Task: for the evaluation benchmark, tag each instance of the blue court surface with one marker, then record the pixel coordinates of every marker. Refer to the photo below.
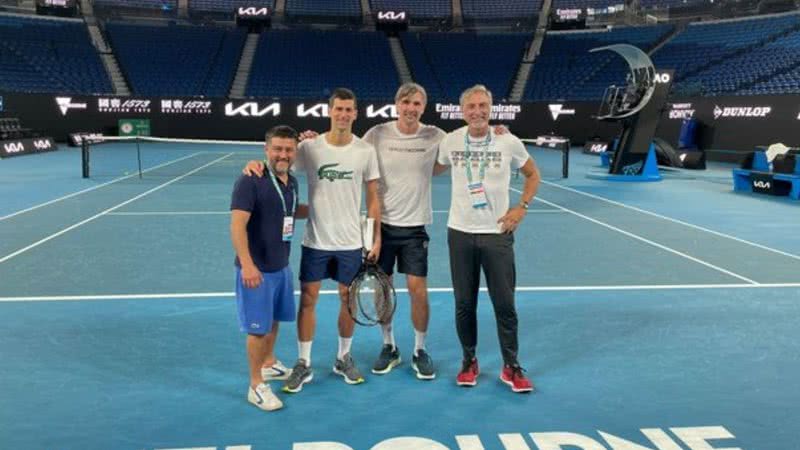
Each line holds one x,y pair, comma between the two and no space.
658,316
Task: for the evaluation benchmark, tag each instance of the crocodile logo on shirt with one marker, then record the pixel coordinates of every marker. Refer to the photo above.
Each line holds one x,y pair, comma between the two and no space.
327,172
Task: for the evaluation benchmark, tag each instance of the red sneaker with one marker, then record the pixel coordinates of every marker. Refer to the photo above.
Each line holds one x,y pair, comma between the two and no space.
469,373
513,376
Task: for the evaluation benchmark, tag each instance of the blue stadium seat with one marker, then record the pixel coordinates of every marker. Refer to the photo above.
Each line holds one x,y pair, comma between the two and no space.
312,63
565,70
226,6
44,55
177,60
448,63
719,56
323,8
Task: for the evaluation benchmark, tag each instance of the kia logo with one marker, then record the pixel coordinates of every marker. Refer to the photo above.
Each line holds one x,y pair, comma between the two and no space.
386,111
318,110
14,147
391,15
252,109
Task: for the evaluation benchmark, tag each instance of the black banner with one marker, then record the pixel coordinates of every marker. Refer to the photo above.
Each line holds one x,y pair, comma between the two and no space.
734,123
17,147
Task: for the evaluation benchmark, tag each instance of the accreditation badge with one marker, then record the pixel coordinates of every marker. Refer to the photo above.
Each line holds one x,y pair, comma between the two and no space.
288,228
477,193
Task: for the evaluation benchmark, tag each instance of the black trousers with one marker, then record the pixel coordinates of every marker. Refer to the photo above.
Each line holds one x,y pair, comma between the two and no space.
494,253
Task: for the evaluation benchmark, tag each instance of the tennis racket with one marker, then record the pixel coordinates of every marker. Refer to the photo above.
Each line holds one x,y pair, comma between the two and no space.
372,298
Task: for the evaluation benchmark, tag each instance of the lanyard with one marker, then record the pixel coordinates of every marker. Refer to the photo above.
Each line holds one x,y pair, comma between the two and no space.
484,157
280,193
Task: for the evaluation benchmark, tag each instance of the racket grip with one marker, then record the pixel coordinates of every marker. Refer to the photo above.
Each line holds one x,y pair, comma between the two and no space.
367,232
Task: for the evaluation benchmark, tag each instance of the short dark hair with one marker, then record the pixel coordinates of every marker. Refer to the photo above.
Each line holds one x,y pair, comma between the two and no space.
342,94
280,131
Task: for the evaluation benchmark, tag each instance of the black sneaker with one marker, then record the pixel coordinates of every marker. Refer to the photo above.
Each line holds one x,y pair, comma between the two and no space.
301,374
387,360
423,365
346,367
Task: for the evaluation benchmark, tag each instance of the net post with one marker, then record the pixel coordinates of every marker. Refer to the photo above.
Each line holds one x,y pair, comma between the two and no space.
139,156
84,157
565,160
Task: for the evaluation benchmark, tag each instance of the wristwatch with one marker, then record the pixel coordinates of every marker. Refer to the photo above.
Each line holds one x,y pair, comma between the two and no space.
524,204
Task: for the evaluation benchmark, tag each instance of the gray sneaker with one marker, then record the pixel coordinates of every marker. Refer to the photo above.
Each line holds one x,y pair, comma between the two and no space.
301,374
423,365
387,360
346,367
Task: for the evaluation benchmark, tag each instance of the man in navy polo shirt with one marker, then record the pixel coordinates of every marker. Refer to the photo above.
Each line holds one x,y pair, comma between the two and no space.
263,211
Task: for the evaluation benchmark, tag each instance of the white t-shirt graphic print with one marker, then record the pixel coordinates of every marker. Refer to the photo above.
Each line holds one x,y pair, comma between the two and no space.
336,176
502,154
406,165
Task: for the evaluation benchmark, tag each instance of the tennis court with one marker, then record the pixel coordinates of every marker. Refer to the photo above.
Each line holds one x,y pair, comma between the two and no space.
652,316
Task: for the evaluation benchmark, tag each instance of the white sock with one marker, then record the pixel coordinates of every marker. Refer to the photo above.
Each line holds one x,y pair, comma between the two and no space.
344,346
304,351
388,335
419,341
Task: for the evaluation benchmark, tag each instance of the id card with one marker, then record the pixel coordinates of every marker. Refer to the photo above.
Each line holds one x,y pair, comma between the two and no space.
477,193
288,228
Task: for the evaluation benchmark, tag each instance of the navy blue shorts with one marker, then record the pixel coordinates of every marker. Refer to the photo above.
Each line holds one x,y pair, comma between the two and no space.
406,246
339,265
272,300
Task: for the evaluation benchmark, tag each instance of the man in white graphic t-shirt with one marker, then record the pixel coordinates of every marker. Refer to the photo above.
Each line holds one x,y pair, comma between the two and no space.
338,165
480,230
406,155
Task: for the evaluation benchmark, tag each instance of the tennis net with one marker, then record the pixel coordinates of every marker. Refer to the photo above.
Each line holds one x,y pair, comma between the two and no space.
145,156
551,154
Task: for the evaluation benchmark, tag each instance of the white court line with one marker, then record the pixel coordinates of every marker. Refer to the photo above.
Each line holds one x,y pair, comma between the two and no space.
169,213
85,221
678,221
645,240
195,295
211,213
50,202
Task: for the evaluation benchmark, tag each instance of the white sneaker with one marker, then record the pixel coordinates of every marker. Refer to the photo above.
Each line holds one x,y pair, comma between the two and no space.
263,398
276,371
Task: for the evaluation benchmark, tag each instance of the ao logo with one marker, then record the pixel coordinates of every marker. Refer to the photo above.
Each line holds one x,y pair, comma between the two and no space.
126,128
663,78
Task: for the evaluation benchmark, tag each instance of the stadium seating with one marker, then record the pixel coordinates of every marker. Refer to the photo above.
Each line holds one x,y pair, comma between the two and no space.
312,63
745,69
480,11
323,8
565,70
177,60
696,52
44,55
170,5
584,4
448,63
226,6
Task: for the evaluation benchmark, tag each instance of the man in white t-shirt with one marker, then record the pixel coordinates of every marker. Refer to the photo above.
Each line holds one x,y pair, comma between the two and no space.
480,229
338,165
406,155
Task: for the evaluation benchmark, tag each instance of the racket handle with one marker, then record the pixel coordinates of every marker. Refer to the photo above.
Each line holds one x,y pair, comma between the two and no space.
367,232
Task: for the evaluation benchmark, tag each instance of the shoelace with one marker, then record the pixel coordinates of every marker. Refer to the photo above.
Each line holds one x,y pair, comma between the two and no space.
517,372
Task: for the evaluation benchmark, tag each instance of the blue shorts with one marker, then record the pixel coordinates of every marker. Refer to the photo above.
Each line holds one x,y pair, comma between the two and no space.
340,265
272,300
